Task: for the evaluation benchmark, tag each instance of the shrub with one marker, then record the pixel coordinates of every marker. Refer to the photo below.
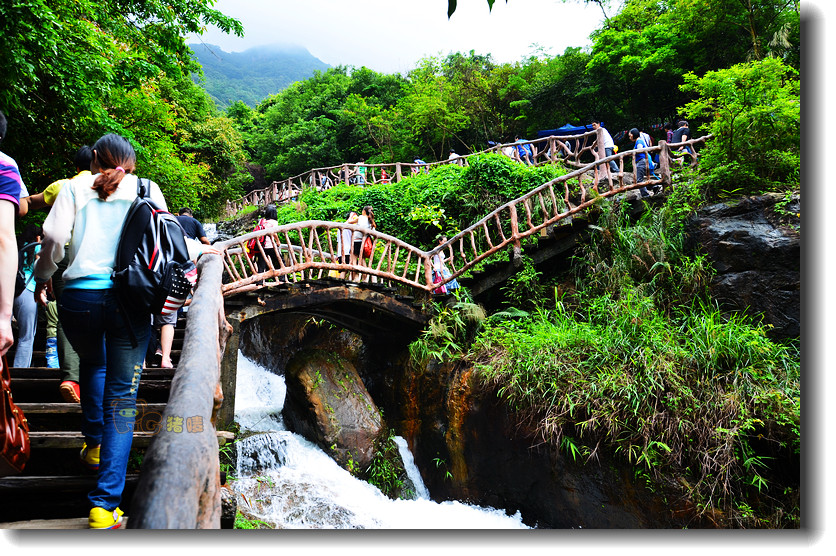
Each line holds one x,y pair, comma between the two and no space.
754,112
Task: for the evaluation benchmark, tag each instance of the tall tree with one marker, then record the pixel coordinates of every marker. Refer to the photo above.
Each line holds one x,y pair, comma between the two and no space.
69,70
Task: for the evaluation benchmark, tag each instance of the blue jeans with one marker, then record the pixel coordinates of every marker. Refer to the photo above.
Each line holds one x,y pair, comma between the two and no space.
608,151
26,312
110,368
641,175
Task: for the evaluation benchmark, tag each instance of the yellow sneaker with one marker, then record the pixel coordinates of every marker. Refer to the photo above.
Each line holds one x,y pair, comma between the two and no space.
101,518
89,457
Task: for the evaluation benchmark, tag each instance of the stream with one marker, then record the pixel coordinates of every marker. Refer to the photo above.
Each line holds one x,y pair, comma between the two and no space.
290,483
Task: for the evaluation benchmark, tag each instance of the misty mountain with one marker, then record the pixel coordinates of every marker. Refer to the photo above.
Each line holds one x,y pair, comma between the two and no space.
254,74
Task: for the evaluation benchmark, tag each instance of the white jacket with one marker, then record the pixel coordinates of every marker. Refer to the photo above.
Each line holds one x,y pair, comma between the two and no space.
92,227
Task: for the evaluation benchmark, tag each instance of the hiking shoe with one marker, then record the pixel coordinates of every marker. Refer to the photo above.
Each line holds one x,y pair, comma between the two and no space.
70,391
101,518
90,457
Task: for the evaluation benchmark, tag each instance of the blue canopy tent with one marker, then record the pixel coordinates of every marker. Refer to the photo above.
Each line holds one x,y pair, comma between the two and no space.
567,129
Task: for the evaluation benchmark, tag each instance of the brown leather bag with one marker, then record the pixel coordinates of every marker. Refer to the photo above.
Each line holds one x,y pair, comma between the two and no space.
14,429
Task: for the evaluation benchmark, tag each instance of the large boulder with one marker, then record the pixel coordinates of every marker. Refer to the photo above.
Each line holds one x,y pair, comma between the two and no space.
754,245
328,404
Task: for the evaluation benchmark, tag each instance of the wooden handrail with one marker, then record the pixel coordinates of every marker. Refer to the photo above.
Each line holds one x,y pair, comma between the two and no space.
306,250
179,485
288,189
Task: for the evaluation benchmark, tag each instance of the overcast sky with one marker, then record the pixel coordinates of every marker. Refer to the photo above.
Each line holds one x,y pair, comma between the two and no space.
390,36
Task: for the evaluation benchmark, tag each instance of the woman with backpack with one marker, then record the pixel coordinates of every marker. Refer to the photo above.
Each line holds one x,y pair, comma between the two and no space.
110,343
268,222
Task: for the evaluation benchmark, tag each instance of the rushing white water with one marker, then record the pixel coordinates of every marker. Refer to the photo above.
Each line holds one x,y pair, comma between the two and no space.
290,483
211,230
411,469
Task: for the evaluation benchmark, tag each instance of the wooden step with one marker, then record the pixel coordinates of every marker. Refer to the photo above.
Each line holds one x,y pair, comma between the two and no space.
153,387
53,497
46,372
54,524
74,439
68,416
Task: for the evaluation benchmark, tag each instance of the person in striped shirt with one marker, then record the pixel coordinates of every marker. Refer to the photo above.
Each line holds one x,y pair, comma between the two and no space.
11,190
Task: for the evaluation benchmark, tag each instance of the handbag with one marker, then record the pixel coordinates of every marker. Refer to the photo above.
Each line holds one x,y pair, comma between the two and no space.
436,279
367,247
14,429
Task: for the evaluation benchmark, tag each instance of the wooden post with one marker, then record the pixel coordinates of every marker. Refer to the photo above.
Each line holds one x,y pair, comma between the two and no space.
398,172
229,375
665,163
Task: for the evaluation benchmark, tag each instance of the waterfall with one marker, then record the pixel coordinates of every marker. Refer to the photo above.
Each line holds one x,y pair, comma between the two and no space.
290,483
411,469
211,230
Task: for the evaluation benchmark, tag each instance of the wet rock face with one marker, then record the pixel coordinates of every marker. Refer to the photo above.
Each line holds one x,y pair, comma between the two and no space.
328,404
468,444
471,446
755,247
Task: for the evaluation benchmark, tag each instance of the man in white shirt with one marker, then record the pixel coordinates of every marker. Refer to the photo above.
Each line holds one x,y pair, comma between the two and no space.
609,145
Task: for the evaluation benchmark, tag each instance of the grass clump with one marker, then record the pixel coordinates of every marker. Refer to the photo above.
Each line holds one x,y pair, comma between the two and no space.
696,394
640,363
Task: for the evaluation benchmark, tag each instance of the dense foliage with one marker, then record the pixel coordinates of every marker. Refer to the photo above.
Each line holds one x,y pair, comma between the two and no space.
646,64
754,112
418,208
78,69
72,70
627,357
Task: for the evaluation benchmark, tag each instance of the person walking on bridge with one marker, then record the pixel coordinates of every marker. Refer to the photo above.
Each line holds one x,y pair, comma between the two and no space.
192,226
365,221
609,144
641,160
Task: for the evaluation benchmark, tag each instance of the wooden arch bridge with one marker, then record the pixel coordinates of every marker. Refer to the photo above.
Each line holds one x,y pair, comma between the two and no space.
309,251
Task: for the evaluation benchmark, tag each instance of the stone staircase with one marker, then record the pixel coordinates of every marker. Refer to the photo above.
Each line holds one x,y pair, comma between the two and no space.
51,493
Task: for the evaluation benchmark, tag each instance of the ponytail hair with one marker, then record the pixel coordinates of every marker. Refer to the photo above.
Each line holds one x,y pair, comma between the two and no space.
370,213
113,157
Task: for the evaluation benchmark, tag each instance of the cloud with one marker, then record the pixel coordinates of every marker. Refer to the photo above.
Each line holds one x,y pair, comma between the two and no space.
392,35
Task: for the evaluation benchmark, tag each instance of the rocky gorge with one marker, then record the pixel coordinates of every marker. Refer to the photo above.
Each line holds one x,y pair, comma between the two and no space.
345,390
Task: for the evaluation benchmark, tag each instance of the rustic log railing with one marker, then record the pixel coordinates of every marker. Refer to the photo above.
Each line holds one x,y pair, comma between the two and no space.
572,150
309,250
179,484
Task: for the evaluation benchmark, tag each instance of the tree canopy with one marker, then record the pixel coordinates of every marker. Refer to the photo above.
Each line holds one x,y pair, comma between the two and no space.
72,70
75,69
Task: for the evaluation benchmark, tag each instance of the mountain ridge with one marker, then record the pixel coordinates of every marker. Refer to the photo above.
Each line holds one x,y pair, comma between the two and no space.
253,74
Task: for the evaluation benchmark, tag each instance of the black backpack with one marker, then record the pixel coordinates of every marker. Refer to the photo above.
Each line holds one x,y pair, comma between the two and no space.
153,272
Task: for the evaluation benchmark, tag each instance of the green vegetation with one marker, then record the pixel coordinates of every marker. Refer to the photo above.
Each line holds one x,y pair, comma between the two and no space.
79,69
244,522
756,109
72,70
418,208
386,470
634,361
